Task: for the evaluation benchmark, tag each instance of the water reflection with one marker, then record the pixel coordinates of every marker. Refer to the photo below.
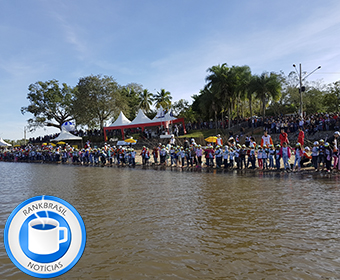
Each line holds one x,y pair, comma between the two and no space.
188,224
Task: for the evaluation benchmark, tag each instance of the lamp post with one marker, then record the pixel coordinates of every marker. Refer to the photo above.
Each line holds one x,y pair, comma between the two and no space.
302,89
25,135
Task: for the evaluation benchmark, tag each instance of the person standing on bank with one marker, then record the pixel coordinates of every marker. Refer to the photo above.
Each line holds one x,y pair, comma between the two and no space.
301,137
283,137
266,140
219,141
334,143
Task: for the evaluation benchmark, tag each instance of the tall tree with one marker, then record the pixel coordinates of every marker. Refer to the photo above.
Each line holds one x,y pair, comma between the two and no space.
50,104
146,99
180,106
182,109
267,88
96,100
204,104
163,98
221,83
332,98
131,94
242,78
289,101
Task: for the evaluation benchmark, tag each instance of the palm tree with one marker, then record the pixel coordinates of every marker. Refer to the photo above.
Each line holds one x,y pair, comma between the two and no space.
242,78
266,87
163,98
221,83
206,103
146,99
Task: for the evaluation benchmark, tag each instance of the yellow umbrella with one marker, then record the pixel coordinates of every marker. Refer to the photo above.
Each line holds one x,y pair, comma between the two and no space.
61,143
130,140
44,144
17,146
52,144
211,139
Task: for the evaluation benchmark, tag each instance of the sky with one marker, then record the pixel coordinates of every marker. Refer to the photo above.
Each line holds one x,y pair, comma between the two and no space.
158,44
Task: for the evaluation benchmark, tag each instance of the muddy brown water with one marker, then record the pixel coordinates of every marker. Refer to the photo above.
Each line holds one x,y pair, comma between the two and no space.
155,224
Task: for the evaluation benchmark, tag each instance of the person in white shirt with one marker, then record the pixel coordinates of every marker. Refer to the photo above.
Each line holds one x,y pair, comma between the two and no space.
266,140
219,141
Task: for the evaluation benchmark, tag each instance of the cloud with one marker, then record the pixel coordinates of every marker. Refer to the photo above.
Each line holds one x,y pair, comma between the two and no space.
73,35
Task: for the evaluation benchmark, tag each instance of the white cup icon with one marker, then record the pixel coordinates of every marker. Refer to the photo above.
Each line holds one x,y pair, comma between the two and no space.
43,236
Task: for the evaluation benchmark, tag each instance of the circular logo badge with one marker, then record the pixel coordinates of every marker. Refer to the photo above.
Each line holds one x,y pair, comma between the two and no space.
45,236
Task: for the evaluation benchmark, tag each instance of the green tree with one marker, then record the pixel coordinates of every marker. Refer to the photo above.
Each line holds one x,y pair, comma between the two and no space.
180,106
313,100
96,100
267,88
131,94
50,104
221,84
242,76
196,106
332,98
146,99
151,114
182,109
163,98
204,104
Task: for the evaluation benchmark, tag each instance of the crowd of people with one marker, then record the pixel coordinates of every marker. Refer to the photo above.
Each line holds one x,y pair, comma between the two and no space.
311,124
231,155
265,155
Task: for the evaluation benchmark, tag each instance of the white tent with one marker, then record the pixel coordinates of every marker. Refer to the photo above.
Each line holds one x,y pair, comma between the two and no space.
65,136
121,120
141,118
167,117
3,143
160,113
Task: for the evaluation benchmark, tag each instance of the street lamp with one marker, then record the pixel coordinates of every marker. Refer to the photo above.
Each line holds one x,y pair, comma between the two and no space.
25,129
302,89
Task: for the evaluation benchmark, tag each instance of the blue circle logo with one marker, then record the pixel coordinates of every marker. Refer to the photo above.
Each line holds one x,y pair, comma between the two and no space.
45,236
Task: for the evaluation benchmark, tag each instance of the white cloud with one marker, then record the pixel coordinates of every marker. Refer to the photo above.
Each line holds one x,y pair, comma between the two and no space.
73,35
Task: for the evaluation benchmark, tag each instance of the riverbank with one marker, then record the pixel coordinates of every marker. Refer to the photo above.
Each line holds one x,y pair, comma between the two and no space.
192,169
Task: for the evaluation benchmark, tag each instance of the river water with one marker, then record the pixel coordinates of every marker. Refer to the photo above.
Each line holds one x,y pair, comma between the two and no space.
155,224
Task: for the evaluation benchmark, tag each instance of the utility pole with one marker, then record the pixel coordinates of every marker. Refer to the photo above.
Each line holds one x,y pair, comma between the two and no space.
25,135
302,88
301,101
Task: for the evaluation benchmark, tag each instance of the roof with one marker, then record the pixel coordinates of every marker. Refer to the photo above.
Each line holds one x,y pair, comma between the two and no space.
167,117
3,143
121,120
65,136
141,118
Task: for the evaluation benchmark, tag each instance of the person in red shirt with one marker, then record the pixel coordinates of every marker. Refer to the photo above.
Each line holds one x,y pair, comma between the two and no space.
305,157
143,155
283,137
301,137
155,154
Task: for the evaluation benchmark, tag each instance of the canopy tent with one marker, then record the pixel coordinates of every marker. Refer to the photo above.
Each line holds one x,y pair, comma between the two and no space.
167,117
160,113
141,121
66,136
121,120
3,143
140,118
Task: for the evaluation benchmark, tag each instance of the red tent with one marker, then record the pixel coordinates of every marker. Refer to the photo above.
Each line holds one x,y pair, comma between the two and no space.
141,121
